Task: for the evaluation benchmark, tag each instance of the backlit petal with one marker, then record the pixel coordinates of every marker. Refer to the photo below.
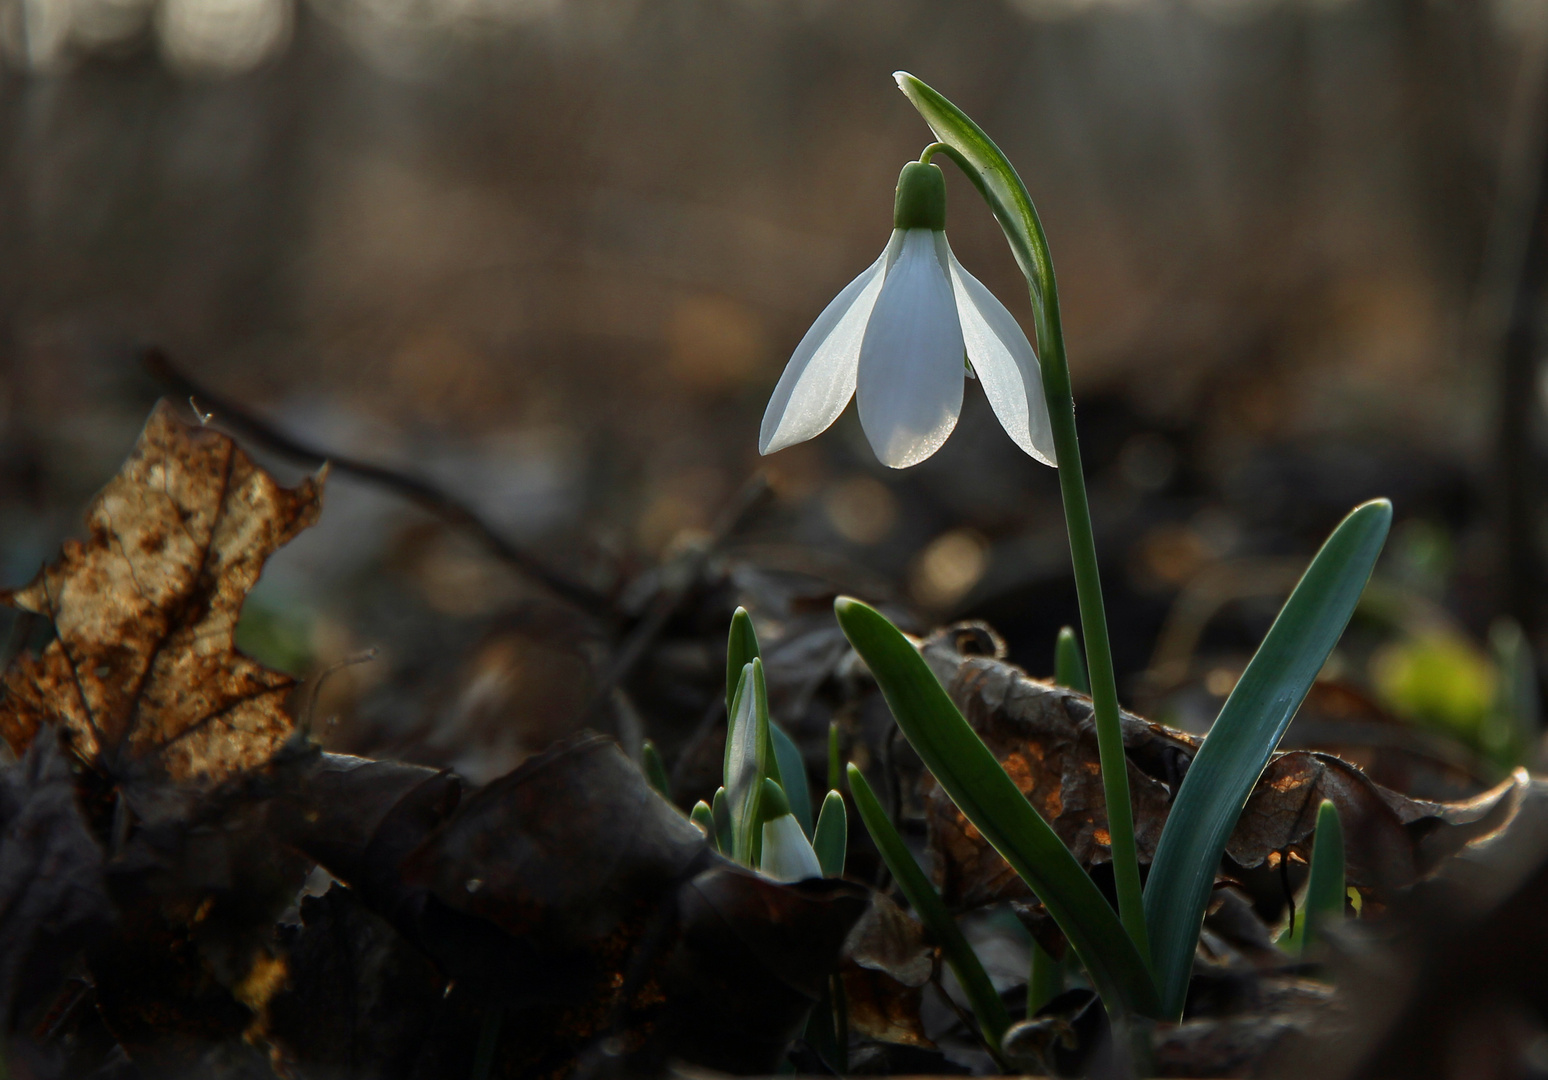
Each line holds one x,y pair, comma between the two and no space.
787,853
910,377
820,378
1004,361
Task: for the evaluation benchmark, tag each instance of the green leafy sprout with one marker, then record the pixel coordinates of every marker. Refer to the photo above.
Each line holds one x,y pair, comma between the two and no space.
762,814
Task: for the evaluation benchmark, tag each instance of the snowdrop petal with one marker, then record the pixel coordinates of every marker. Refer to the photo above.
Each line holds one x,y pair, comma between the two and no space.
787,853
820,378
1003,358
910,374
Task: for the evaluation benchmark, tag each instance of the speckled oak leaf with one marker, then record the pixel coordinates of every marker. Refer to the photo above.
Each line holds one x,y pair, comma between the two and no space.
144,670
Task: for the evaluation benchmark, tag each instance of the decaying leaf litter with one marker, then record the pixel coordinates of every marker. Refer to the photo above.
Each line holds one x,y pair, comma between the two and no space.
162,915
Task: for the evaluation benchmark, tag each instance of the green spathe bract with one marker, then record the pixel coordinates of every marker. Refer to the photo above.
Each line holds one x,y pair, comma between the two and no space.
1243,737
968,772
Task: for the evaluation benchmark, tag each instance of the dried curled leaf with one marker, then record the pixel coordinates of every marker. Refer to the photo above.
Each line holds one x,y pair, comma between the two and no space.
1391,840
144,669
1043,735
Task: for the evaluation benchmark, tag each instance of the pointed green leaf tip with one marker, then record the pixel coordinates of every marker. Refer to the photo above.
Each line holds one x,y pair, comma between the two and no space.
1325,886
741,650
704,817
1069,668
655,770
720,808
832,840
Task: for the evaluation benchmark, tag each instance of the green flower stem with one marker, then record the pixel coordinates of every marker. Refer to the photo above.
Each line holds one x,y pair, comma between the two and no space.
1045,981
1093,621
927,904
965,143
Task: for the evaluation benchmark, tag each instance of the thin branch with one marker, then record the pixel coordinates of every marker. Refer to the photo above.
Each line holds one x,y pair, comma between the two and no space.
418,491
670,599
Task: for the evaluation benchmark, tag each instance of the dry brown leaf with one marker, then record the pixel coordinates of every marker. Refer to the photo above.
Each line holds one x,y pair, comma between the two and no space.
886,966
1044,736
883,1009
890,940
144,669
1390,840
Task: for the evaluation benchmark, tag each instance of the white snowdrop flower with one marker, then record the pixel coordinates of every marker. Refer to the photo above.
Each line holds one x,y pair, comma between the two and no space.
895,338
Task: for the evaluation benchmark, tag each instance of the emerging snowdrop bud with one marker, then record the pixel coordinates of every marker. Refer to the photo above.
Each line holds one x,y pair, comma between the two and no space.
787,854
895,338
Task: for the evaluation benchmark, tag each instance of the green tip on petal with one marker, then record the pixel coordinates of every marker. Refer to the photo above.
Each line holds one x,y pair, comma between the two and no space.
774,802
921,198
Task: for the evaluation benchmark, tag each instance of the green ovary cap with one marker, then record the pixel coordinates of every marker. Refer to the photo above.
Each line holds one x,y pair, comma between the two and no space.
921,201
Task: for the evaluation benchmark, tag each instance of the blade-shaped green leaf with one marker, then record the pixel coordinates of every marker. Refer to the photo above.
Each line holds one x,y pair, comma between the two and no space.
1243,737
831,841
791,776
927,903
970,775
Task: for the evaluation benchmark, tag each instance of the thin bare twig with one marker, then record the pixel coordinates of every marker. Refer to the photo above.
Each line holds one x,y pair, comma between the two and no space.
417,490
669,599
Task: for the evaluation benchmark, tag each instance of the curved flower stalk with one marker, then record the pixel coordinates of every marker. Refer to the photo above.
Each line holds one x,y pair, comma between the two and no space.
895,339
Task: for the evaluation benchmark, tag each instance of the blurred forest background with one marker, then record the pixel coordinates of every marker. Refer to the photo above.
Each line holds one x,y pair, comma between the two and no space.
552,255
